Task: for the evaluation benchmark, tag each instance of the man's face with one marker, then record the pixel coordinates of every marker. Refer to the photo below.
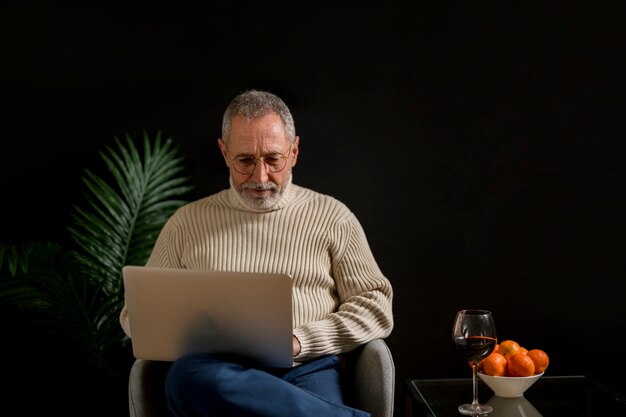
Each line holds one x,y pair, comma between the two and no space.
252,177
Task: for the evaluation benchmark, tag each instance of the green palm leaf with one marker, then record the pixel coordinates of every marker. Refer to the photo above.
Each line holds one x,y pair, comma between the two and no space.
125,218
61,306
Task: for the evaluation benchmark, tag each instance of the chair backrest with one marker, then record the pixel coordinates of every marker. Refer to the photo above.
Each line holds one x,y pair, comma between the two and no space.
370,377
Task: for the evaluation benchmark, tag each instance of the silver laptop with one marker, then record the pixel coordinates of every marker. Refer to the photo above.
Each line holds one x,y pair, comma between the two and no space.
177,311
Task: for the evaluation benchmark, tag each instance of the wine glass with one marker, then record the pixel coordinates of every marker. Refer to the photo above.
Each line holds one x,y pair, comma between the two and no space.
474,334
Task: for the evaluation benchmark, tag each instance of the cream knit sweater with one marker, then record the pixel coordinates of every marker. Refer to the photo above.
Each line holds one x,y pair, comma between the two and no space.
340,297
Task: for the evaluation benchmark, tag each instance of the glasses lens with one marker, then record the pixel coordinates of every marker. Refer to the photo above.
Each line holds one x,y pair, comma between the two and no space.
244,165
275,163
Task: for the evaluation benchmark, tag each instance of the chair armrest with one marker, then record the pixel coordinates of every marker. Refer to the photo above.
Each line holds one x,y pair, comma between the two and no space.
146,387
374,379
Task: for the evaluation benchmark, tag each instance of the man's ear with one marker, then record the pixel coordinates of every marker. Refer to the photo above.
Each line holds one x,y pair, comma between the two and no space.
224,151
294,151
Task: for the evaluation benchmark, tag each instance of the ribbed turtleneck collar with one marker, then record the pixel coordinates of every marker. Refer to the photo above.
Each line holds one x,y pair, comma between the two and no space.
237,201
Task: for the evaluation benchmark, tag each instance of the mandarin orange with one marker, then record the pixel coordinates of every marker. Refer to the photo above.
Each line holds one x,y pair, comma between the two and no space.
509,348
540,359
494,365
520,364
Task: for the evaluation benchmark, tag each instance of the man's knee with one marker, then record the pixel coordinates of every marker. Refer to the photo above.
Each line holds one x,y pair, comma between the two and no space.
195,373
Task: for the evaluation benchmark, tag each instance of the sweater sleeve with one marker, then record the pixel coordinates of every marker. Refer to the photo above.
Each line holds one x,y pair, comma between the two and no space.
364,294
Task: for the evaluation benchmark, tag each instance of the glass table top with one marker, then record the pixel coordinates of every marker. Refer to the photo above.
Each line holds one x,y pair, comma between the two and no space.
550,396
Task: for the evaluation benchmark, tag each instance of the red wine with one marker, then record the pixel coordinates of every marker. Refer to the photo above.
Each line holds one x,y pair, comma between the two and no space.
475,348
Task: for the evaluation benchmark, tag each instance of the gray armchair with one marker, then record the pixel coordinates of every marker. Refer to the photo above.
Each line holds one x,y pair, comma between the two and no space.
369,377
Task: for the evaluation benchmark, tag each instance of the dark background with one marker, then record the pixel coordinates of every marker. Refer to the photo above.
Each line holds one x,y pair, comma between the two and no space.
479,143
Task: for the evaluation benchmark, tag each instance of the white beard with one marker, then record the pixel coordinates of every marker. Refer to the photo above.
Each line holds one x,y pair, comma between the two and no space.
261,203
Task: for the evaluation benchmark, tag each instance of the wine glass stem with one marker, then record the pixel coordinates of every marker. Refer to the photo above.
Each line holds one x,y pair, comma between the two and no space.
474,384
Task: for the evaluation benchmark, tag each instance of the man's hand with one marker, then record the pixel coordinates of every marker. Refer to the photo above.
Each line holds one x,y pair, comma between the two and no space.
296,346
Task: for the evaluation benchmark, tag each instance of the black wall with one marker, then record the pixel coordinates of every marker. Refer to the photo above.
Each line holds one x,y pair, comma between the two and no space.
479,143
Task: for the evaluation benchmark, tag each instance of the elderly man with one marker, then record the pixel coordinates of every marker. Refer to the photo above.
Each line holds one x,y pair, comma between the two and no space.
265,223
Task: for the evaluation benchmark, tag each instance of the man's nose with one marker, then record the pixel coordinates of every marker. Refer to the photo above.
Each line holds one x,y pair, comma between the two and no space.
260,173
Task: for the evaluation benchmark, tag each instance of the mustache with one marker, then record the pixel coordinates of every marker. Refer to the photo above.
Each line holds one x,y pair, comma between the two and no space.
259,187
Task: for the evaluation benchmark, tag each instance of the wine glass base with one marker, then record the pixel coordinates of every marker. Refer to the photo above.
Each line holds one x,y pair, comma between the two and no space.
475,409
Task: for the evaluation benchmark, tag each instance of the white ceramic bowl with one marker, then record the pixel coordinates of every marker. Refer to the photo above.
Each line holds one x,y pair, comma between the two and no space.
509,386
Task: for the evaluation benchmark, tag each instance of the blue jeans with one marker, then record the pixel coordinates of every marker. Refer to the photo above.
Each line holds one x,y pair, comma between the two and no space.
209,385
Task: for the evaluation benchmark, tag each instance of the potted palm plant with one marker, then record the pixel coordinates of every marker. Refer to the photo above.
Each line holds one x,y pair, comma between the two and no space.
67,299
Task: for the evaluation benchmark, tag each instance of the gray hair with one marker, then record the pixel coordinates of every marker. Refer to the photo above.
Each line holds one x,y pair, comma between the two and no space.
253,104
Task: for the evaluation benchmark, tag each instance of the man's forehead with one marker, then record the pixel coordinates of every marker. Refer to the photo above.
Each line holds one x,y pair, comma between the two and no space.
257,135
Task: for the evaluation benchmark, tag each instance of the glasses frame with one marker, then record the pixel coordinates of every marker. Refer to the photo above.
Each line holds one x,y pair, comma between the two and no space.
287,156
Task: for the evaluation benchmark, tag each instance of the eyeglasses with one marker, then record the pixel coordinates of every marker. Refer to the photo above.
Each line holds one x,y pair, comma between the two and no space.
274,162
